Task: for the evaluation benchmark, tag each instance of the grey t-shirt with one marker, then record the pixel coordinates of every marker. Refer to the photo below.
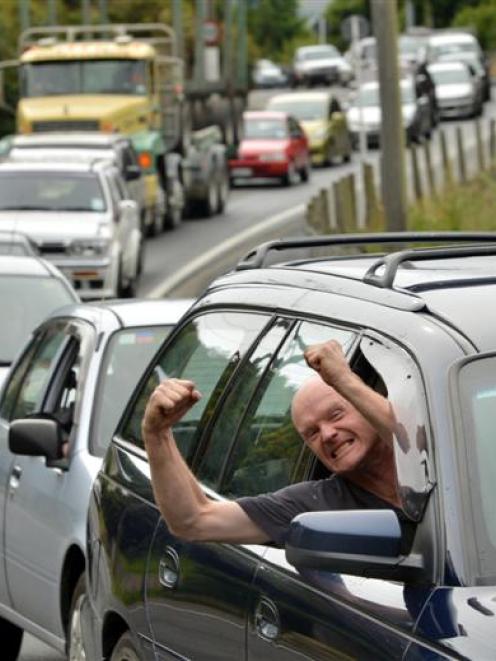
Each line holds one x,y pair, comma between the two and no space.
273,512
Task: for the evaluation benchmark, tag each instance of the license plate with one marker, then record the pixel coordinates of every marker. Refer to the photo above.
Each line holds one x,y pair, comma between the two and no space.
241,172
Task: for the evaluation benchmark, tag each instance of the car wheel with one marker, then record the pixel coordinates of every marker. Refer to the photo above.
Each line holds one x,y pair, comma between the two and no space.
305,171
126,289
11,636
75,649
290,177
125,650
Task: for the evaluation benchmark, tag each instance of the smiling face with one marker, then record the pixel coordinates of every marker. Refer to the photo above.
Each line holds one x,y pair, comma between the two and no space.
333,429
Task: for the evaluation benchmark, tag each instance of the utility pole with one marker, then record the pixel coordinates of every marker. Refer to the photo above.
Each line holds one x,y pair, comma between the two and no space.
393,184
24,14
177,24
199,66
103,10
86,12
242,45
52,12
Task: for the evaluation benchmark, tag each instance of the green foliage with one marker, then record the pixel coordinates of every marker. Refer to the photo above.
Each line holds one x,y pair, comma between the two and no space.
336,12
275,29
468,207
482,18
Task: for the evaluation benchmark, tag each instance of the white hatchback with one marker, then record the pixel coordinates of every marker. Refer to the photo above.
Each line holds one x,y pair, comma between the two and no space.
82,219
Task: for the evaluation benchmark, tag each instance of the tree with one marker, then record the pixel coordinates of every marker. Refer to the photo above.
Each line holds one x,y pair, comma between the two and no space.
274,28
482,19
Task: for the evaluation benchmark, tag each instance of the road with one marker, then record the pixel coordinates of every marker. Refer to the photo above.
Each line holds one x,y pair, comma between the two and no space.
248,208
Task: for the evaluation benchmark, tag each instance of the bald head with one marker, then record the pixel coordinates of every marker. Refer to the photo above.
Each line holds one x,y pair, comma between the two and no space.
306,397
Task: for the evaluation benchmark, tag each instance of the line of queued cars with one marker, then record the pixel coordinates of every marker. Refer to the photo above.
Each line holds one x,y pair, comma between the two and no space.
445,75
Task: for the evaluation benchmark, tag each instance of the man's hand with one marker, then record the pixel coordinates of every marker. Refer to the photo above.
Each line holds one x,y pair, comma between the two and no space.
328,360
167,404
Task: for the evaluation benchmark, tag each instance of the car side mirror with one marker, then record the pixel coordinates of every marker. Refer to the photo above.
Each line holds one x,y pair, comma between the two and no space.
36,437
132,172
356,542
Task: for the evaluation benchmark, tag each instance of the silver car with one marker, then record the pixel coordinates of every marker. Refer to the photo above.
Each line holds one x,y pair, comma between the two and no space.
458,91
58,409
112,147
30,289
82,219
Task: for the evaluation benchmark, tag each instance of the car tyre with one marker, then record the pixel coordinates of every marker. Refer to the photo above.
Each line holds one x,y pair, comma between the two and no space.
174,213
222,191
75,649
11,636
125,650
289,178
210,202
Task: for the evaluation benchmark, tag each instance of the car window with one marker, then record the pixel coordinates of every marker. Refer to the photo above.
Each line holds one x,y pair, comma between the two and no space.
128,353
28,386
266,454
207,351
476,406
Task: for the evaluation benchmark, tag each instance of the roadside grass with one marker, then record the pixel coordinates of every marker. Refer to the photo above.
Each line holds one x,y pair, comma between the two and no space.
461,207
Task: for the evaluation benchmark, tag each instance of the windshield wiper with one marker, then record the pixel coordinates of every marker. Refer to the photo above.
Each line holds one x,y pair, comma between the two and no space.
5,363
26,208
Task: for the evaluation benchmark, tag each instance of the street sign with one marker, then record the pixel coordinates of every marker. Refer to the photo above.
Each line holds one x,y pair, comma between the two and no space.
347,27
211,33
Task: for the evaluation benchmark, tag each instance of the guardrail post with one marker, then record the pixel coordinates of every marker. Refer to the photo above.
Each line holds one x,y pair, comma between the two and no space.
461,155
492,139
445,159
480,150
344,204
371,202
310,213
417,184
429,170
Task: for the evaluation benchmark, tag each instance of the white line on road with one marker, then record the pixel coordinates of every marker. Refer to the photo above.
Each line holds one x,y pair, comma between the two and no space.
196,265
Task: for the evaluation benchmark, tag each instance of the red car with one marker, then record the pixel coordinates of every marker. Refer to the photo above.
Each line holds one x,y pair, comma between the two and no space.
273,146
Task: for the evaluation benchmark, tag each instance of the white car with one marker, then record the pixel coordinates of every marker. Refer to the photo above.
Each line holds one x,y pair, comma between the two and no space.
365,113
91,146
82,219
30,289
320,64
462,47
458,90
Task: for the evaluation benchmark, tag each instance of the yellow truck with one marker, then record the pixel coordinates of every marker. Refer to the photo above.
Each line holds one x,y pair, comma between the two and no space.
125,79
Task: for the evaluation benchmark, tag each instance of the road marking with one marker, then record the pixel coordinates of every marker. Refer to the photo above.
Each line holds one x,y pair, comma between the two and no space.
172,282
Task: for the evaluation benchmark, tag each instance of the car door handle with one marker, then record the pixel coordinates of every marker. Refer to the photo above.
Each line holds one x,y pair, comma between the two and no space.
267,622
14,479
168,569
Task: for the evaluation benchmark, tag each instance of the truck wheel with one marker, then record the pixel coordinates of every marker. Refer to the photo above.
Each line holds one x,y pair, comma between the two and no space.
222,191
11,636
175,207
75,649
125,650
210,202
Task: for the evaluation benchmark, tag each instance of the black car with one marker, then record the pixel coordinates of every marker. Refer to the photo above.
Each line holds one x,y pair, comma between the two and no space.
418,323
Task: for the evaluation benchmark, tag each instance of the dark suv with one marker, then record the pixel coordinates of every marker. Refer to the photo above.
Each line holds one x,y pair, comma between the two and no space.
419,325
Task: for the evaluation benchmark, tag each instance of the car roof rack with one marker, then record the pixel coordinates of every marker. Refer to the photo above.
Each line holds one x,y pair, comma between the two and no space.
256,258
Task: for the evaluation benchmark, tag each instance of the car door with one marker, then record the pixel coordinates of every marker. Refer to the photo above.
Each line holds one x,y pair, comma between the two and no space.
38,523
316,614
183,584
251,447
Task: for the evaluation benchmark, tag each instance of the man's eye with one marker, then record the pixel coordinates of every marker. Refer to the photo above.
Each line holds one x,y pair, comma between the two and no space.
336,414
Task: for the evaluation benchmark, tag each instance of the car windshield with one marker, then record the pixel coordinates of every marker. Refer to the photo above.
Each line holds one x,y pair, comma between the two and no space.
454,48
128,353
84,77
318,53
265,128
369,96
51,191
26,301
477,387
15,248
450,76
302,109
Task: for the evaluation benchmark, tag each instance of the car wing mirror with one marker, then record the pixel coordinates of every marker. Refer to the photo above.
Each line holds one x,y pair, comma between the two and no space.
36,437
357,542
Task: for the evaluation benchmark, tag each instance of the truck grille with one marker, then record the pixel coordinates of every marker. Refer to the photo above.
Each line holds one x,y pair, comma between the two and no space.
66,125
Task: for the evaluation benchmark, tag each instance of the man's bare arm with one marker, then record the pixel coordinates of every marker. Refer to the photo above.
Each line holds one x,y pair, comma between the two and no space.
330,362
183,504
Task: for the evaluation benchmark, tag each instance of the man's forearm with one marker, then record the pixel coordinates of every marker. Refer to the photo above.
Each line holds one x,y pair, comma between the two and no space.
177,493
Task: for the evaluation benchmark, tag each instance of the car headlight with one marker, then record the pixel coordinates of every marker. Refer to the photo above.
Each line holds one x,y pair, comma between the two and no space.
278,156
89,247
319,134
